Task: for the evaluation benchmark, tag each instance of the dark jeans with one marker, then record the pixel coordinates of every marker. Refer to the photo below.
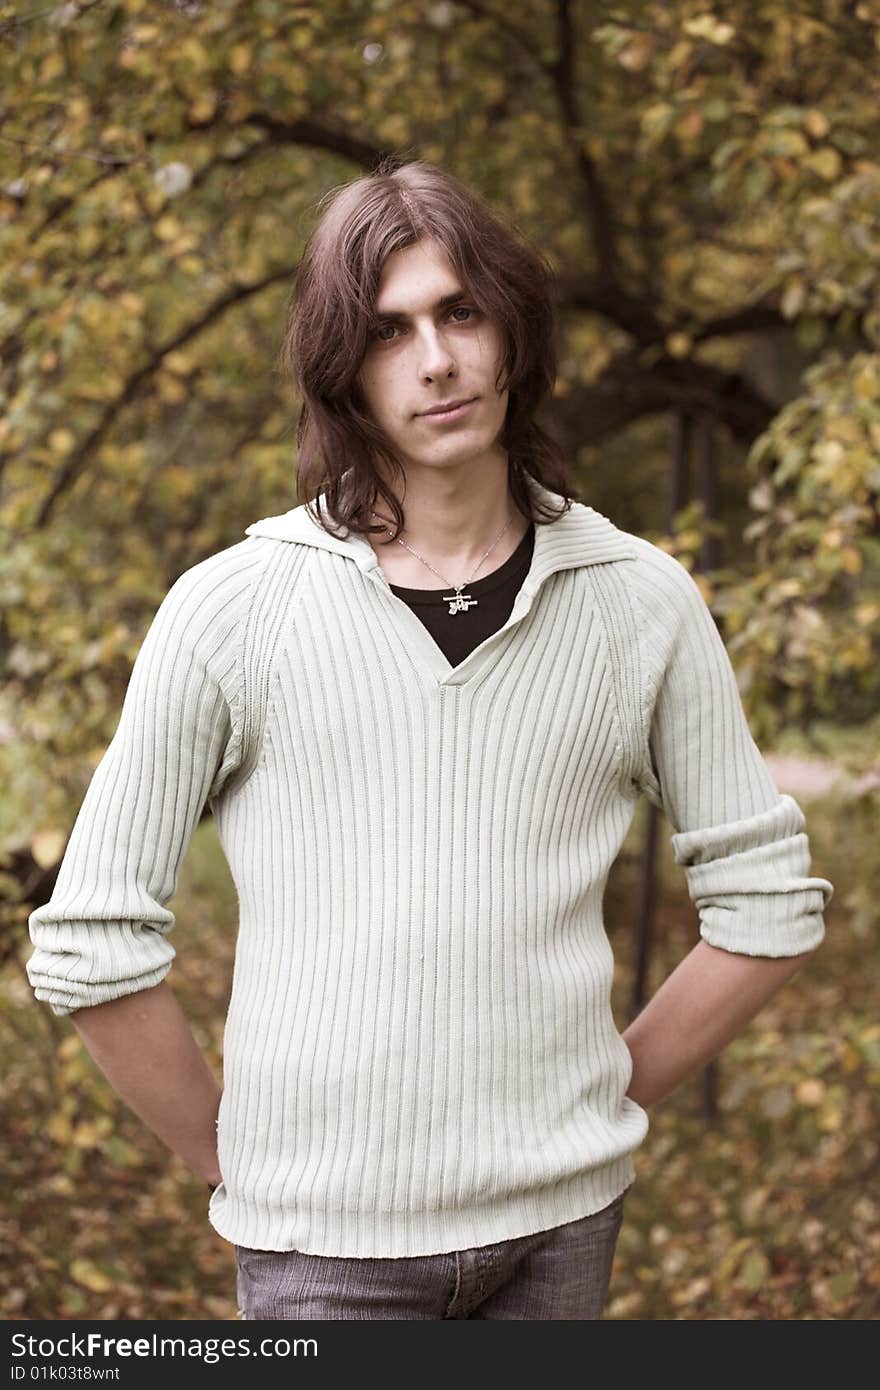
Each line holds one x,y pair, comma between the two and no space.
561,1273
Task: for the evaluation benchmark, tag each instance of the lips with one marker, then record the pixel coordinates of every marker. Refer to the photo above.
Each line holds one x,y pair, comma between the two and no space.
449,406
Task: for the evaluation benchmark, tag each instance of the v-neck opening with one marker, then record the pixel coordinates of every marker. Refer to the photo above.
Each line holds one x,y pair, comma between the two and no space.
423,645
578,537
496,578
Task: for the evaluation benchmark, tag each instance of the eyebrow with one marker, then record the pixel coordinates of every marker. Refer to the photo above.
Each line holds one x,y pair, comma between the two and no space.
444,302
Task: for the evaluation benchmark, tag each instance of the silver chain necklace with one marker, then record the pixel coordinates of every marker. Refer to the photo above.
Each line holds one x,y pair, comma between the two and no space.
458,602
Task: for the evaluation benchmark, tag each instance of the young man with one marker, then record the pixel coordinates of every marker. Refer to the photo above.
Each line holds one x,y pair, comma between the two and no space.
423,713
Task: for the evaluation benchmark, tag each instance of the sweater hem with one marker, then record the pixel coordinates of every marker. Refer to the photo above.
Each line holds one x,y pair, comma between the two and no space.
398,1235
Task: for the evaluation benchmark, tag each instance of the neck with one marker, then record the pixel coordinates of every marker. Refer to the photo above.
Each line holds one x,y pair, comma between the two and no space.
450,520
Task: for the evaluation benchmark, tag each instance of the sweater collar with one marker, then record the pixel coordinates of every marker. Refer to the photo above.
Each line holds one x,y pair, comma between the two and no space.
581,536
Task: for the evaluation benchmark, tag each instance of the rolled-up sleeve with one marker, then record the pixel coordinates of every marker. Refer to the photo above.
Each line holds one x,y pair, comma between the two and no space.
104,932
750,882
742,843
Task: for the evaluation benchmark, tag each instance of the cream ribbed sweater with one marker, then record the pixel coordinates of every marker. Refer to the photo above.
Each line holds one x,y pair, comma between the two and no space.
420,1053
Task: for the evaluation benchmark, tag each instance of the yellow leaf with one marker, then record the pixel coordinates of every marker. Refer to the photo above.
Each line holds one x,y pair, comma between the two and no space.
296,80
90,1276
810,1092
656,117
688,540
825,162
817,123
679,344
132,303
395,128
58,1128
690,124
103,388
170,388
728,1262
830,1120
844,427
167,228
61,441
47,846
829,452
240,57
706,26
754,1269
52,66
202,109
793,298
193,51
866,383
178,362
753,1204
113,134
637,53
241,104
88,239
851,559
85,1136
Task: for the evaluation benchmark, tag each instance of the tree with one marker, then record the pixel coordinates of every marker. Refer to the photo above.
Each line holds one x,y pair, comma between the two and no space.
702,178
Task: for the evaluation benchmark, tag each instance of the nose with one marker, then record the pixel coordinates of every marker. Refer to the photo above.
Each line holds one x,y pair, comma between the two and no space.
435,356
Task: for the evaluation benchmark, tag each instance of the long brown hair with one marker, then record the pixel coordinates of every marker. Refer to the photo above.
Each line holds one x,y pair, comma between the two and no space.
330,316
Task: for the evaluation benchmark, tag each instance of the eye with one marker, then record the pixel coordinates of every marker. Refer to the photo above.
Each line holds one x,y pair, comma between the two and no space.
376,334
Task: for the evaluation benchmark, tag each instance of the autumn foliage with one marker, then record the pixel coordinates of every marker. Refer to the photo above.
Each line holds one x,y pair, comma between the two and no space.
705,180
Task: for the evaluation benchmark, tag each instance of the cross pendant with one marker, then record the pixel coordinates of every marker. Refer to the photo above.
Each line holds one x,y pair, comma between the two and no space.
459,602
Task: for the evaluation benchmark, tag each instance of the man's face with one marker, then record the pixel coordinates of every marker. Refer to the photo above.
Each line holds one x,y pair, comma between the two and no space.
423,352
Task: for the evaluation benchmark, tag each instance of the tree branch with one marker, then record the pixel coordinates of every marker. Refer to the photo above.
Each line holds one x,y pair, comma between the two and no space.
319,137
68,474
628,391
635,315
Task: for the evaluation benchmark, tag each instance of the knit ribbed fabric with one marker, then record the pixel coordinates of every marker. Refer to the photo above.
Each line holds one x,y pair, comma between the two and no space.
420,1054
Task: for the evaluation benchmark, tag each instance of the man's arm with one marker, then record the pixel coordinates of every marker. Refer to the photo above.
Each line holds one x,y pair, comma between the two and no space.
706,1001
101,943
145,1048
105,931
742,843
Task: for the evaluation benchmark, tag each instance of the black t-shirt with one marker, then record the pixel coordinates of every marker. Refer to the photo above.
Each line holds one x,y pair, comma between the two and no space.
456,634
